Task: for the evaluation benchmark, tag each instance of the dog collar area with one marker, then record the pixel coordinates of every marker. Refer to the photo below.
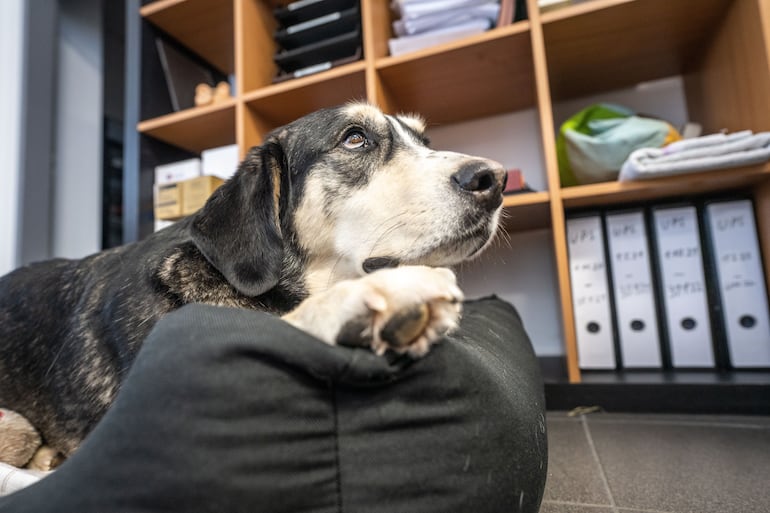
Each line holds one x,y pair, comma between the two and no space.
372,264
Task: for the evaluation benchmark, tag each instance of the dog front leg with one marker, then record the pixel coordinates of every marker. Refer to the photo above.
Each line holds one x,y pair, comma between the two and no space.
405,309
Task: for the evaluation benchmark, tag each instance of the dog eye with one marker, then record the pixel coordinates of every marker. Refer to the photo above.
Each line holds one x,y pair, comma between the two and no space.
355,139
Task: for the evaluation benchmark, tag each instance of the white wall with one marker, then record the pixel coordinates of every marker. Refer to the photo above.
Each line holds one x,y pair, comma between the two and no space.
664,99
77,210
12,45
521,271
513,139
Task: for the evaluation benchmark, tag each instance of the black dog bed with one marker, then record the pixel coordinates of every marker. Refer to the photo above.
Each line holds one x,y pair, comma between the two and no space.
231,410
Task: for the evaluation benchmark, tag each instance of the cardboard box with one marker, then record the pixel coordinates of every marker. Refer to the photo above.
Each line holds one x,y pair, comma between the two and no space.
177,171
168,201
175,200
221,162
195,192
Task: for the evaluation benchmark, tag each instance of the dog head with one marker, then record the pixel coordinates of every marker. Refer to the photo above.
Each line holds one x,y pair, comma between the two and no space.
349,190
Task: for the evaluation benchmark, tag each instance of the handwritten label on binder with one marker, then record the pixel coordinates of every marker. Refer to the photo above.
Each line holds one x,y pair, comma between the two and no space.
590,293
634,295
736,255
684,286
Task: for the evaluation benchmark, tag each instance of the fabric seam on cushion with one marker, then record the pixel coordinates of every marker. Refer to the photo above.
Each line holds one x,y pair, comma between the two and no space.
338,472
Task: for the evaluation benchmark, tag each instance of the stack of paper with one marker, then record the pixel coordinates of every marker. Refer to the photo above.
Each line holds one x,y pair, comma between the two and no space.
425,23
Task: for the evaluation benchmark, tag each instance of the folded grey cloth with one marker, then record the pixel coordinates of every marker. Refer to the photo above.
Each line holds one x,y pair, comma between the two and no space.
716,151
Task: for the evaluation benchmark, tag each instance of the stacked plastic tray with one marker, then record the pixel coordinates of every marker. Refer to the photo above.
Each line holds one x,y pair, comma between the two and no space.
316,35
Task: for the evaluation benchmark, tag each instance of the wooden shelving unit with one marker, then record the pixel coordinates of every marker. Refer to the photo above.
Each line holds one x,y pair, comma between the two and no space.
194,129
720,47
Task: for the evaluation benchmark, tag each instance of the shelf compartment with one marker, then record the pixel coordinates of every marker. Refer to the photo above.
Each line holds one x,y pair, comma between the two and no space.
526,211
281,103
194,129
605,45
203,26
474,77
610,193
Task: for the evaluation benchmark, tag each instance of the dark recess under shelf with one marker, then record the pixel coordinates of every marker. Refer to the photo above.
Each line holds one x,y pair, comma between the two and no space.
666,391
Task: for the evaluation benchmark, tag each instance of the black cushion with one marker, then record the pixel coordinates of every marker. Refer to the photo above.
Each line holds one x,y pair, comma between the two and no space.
231,410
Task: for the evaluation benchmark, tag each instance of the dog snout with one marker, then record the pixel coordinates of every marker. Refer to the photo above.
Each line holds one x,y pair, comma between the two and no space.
483,180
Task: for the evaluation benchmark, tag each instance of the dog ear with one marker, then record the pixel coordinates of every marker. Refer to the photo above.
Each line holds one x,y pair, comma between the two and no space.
238,230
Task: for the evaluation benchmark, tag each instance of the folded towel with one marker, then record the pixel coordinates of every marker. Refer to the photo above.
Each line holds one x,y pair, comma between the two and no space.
716,151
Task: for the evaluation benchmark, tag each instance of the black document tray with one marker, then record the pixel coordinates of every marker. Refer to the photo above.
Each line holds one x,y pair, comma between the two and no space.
318,29
304,10
332,49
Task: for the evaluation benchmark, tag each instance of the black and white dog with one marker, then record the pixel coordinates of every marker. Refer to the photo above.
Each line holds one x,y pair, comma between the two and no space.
342,221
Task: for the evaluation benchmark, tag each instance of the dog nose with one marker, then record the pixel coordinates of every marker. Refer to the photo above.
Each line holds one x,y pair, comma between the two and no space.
484,181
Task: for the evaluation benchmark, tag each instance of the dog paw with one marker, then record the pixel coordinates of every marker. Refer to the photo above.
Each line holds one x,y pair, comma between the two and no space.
46,458
409,308
404,309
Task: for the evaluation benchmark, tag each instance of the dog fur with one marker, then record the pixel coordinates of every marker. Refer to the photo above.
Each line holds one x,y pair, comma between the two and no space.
313,213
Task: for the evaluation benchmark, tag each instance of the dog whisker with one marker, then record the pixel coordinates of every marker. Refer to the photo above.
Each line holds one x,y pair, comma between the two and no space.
53,362
388,231
383,235
333,271
503,237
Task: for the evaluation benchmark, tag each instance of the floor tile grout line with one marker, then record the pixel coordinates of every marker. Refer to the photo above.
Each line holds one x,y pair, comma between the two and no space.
602,475
684,423
603,506
581,504
640,510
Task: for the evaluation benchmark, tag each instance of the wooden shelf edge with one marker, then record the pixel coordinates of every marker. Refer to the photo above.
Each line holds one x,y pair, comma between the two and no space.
582,194
184,115
520,27
299,83
160,5
525,198
526,211
586,7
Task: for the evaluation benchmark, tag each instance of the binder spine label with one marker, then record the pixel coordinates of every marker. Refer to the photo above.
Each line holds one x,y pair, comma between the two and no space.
683,286
590,293
635,311
740,281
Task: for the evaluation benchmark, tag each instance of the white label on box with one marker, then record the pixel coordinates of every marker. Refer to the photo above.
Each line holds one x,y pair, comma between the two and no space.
221,162
178,171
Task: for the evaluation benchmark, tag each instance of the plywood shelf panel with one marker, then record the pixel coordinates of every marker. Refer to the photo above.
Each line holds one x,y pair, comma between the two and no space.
474,77
604,45
195,129
526,211
286,101
203,26
616,193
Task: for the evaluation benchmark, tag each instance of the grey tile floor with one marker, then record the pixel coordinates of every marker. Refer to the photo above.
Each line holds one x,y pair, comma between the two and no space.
613,463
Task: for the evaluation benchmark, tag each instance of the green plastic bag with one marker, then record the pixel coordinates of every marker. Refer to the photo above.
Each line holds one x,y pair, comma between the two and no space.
593,144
